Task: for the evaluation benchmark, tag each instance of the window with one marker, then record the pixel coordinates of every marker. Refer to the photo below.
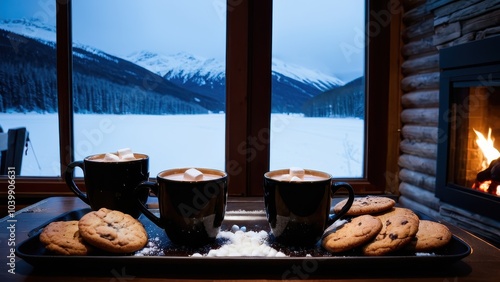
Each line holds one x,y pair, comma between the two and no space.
161,92
248,101
28,89
318,101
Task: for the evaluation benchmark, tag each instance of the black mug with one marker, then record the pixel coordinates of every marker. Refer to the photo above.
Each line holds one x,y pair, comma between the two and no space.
111,184
298,211
191,211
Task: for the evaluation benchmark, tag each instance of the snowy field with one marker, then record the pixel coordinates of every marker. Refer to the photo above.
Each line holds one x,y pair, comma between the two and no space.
332,145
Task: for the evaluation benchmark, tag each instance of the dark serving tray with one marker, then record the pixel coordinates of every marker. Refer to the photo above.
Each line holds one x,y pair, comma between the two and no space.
168,257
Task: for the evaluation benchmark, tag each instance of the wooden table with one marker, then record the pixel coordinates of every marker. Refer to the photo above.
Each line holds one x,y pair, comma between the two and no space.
483,264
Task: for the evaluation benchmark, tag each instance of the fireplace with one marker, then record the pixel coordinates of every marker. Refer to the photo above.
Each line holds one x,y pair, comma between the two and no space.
469,122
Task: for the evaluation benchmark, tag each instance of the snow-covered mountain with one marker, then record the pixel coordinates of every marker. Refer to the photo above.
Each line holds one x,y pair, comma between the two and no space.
38,30
188,67
180,65
292,85
32,28
207,76
308,76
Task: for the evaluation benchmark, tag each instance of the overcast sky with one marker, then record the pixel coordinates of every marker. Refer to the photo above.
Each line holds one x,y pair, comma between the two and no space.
318,34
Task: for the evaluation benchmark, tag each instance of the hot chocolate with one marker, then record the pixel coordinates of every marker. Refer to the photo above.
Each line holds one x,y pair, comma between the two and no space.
296,175
191,174
180,177
306,177
121,155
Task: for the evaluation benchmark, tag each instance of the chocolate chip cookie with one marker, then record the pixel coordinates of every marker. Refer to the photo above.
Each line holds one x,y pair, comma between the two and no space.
113,231
430,235
355,233
397,231
366,205
397,211
63,237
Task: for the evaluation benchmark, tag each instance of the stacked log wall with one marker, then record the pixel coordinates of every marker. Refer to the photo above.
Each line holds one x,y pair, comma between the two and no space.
430,25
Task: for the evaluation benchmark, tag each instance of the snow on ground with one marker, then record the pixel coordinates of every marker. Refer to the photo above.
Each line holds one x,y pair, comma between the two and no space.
333,145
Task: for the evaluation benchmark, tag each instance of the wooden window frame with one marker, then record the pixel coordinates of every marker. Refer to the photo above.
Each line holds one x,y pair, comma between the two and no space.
248,86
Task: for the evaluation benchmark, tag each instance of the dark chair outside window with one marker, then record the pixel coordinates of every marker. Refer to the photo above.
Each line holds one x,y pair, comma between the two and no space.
12,145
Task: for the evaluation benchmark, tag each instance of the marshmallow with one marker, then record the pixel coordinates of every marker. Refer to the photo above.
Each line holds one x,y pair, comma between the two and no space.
126,154
111,157
128,157
297,171
193,174
295,178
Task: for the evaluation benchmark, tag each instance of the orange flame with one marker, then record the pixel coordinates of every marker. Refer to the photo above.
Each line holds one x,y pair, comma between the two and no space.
487,148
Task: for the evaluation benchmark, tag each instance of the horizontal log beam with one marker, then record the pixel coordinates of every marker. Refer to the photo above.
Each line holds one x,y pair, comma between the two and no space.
427,116
420,133
421,99
420,81
419,64
419,195
421,149
409,5
425,181
423,165
419,29
420,46
416,13
417,207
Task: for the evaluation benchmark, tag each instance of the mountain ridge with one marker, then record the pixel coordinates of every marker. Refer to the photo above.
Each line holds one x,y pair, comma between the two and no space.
292,86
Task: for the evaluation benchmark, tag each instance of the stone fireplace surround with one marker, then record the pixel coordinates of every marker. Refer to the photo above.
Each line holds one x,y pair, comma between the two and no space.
428,26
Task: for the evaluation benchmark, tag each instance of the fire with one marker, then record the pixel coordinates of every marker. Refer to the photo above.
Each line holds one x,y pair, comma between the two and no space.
491,154
487,148
485,187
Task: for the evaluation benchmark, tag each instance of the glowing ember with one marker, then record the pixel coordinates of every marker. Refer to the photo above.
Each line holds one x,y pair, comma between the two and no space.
487,147
485,187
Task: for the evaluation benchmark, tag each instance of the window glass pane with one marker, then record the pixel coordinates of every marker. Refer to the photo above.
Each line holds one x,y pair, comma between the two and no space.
150,76
28,83
318,101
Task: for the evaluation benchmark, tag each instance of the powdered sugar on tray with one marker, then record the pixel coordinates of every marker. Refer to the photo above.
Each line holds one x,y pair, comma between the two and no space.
235,242
152,248
243,243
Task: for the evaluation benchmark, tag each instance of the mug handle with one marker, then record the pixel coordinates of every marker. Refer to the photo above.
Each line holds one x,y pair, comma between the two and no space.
153,186
69,177
335,187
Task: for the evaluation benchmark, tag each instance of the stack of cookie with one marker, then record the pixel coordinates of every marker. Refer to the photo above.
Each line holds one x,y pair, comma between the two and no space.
107,230
377,227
